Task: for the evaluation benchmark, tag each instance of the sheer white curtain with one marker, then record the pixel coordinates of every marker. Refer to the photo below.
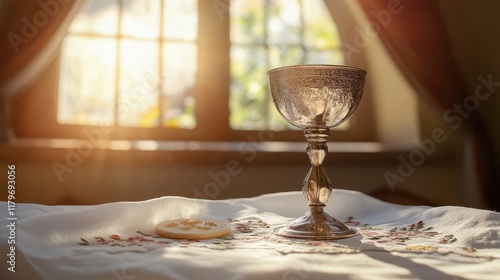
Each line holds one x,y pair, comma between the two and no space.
32,32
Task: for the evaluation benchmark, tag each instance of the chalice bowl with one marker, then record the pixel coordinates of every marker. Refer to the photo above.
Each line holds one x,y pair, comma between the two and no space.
316,98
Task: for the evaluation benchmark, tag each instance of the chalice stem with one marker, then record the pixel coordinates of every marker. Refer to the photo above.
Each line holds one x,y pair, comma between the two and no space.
317,187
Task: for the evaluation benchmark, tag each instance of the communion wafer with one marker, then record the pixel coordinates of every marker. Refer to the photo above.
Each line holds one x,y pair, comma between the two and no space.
192,229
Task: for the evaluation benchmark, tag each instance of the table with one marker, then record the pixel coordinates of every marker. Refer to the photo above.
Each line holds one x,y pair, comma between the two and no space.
117,241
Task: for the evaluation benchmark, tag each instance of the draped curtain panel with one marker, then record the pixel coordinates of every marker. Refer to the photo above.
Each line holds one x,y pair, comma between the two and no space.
415,36
31,32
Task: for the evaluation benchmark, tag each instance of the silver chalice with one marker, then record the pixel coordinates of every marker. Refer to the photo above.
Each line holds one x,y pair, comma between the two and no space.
315,98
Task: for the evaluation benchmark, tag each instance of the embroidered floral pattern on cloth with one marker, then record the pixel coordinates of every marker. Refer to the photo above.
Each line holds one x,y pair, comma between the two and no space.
253,233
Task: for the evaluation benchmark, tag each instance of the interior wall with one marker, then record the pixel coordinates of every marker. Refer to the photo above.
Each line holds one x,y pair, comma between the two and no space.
93,183
473,28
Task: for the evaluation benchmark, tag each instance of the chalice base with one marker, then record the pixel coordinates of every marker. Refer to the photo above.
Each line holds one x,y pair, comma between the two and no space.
318,225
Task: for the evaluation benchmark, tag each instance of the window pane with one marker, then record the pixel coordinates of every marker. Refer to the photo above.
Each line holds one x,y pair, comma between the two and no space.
287,55
321,32
335,57
141,18
250,102
180,19
86,90
248,93
284,22
247,22
178,82
98,17
139,88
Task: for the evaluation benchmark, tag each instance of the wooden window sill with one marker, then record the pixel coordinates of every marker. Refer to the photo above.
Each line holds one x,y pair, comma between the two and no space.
192,152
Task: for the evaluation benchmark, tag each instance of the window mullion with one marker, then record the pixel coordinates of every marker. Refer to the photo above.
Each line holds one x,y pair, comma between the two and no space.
267,100
302,32
212,95
118,64
160,65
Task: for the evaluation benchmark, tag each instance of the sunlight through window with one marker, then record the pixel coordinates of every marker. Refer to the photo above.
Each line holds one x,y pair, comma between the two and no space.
268,34
130,63
134,63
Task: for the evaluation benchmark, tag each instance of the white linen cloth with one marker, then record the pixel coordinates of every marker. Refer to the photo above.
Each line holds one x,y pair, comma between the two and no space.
117,241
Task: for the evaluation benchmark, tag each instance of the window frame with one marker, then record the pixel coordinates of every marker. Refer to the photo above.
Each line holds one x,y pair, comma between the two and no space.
34,121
